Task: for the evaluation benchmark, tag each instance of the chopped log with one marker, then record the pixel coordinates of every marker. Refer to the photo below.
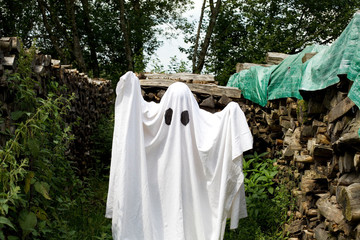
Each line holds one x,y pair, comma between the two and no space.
333,167
5,44
39,69
357,234
349,140
55,63
224,100
320,233
337,98
214,90
15,44
340,109
275,57
306,132
349,199
311,146
244,66
283,111
295,227
303,158
308,56
330,210
208,102
284,122
322,151
322,139
348,179
313,181
9,62
346,163
312,212
317,123
357,162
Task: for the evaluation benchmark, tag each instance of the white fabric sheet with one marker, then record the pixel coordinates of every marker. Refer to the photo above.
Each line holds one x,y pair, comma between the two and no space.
175,176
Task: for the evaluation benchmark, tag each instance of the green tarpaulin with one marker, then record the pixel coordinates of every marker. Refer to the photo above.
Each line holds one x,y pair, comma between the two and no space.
253,83
260,84
342,57
285,80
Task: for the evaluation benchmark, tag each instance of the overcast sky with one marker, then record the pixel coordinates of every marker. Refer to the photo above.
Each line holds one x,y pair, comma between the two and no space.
170,47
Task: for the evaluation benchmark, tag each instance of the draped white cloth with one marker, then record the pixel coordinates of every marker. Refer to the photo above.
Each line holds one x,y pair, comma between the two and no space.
176,170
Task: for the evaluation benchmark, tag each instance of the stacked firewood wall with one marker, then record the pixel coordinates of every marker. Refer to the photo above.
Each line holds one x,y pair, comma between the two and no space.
94,98
317,145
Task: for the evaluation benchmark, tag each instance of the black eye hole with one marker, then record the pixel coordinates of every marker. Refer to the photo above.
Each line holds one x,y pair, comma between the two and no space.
168,116
185,117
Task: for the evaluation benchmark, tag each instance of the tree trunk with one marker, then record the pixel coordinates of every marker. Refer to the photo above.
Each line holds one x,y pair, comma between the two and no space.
125,31
70,7
91,39
204,47
138,44
198,37
53,39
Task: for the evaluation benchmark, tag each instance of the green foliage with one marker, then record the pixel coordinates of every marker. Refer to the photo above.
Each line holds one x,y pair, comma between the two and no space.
101,145
177,66
246,30
267,202
38,184
96,23
156,66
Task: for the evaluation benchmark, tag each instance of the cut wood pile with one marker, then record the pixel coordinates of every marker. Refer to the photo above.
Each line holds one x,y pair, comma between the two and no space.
93,97
317,145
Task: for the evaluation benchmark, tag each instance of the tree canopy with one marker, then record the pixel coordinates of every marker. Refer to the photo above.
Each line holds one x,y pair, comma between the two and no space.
106,38
246,30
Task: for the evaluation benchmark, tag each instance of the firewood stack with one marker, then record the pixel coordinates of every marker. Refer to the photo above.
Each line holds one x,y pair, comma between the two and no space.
9,53
323,146
317,145
93,97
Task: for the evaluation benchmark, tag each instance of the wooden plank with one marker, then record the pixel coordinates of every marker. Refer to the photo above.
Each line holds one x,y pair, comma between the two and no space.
210,89
182,77
308,56
340,109
275,57
244,66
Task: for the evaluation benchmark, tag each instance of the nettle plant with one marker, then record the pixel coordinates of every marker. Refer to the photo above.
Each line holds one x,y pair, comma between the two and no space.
36,180
259,173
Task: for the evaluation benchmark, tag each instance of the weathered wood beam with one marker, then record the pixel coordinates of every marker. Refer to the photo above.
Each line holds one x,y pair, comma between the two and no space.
209,89
244,66
275,57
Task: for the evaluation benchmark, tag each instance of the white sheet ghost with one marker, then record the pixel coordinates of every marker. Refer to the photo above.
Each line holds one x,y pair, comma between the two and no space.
176,170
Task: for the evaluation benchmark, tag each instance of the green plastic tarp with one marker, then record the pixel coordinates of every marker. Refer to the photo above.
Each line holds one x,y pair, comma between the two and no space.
285,80
260,84
253,83
342,57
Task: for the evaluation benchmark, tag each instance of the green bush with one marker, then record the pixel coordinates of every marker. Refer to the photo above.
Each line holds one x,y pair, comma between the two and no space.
267,202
